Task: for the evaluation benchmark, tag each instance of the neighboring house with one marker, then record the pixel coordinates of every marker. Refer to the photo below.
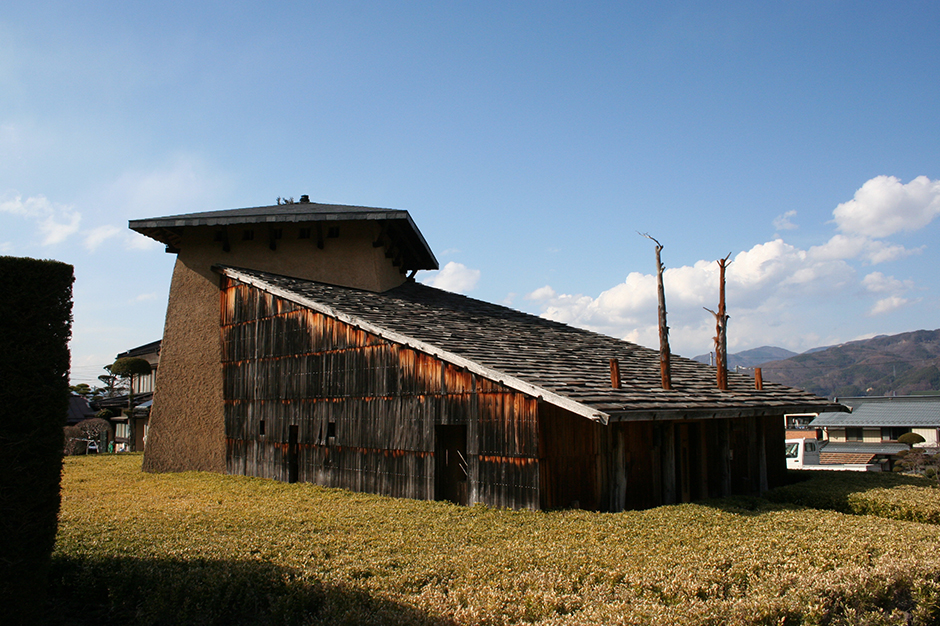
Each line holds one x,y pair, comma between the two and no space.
130,431
869,433
79,410
149,352
327,363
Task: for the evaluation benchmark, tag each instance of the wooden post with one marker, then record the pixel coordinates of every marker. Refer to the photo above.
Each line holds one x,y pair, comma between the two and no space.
758,379
664,365
615,373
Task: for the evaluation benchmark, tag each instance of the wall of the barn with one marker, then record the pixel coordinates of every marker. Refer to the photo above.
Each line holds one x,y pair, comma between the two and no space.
643,464
187,419
313,399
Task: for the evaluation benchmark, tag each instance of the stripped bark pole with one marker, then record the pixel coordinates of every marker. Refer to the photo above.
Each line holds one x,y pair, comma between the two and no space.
664,365
721,327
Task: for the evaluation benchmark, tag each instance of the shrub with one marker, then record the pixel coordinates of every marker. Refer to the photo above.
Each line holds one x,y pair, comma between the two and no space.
889,495
97,430
74,441
206,548
36,314
910,439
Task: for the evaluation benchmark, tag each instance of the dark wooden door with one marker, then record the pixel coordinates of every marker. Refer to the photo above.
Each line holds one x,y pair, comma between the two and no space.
292,445
451,475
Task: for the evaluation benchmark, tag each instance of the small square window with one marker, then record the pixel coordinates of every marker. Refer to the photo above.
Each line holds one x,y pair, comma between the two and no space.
303,233
332,232
248,235
853,434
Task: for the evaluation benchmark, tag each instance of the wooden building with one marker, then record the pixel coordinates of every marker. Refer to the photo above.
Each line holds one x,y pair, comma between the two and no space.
335,367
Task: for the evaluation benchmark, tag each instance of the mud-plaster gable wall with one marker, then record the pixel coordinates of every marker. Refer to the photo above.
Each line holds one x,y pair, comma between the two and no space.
187,419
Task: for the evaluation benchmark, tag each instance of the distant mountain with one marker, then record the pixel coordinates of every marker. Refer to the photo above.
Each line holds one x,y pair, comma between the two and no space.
904,364
751,358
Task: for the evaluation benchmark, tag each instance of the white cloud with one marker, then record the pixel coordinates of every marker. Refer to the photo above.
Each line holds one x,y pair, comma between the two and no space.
56,222
876,282
886,305
860,247
782,222
97,236
765,287
34,207
884,206
145,297
542,293
455,277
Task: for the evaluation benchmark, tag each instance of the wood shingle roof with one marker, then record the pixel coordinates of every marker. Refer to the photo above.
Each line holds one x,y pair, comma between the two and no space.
563,365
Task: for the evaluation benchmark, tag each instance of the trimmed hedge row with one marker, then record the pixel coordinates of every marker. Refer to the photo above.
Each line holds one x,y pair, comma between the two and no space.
35,326
892,496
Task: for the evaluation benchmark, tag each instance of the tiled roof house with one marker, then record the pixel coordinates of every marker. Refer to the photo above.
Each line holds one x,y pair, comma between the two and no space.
869,433
298,346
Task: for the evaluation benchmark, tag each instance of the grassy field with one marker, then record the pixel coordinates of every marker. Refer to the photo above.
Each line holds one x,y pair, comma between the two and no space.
210,549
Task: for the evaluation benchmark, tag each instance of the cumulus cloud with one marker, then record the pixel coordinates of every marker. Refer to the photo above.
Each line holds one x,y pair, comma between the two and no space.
762,281
862,248
884,206
771,284
455,277
876,282
887,305
782,222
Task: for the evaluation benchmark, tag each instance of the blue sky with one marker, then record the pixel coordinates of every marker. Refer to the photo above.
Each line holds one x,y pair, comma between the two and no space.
530,141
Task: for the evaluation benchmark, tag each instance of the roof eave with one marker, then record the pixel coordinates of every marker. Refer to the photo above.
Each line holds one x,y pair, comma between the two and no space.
168,230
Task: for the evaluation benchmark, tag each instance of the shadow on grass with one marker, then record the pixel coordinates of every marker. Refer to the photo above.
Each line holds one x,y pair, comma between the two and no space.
125,590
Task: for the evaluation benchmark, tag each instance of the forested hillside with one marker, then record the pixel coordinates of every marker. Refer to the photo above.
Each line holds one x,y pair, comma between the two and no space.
904,364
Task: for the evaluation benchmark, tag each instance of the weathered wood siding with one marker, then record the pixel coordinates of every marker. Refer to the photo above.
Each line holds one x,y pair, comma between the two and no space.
313,399
639,465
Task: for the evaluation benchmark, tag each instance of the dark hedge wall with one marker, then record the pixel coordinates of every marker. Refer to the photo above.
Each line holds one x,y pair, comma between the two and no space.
35,326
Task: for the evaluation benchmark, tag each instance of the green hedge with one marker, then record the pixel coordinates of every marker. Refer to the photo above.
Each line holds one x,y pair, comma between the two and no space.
35,326
889,495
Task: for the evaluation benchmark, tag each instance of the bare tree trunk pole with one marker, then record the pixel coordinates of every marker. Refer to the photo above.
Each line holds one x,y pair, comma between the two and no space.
665,369
721,327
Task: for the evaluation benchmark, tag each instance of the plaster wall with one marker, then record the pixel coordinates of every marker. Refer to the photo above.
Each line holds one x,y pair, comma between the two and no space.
187,422
931,436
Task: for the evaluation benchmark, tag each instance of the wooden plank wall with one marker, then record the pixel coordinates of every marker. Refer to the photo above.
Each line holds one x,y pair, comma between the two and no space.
365,408
649,464
572,464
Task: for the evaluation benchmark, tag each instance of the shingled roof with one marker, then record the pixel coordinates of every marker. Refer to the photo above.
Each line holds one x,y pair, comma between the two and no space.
563,365
398,223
